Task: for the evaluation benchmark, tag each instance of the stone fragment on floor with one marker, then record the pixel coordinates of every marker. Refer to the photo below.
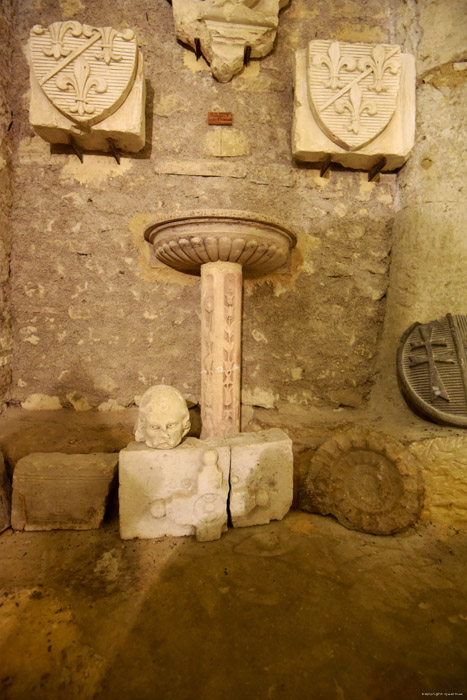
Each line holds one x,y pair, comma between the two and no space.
261,477
5,497
180,491
367,480
54,491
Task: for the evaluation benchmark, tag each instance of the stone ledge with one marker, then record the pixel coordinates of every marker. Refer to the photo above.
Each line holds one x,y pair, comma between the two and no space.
200,168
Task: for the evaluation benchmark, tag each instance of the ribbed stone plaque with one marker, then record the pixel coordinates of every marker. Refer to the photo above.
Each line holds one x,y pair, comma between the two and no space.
432,369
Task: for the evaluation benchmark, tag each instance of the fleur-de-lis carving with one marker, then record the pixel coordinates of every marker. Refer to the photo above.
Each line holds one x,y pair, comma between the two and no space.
379,64
82,83
58,30
335,62
106,50
355,106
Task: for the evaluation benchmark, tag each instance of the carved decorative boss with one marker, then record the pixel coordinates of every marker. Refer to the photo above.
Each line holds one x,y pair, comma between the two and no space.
226,32
367,480
432,369
354,102
87,82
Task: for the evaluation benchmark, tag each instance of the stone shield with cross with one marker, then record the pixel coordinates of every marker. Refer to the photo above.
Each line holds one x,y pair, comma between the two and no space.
432,369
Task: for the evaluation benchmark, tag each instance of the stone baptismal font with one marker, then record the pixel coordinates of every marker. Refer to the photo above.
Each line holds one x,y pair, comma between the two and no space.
220,244
171,486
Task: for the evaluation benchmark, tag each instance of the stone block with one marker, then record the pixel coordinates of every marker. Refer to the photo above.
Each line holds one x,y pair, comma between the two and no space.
5,497
354,102
261,477
180,491
444,464
87,83
54,491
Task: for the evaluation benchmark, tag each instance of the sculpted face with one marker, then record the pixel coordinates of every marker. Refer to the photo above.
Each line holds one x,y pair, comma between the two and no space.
162,429
163,418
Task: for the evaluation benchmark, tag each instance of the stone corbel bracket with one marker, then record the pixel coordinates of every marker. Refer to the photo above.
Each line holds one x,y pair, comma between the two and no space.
87,87
223,30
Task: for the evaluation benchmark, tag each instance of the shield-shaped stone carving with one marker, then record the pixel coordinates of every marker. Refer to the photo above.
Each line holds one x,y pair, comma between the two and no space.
86,72
353,89
432,369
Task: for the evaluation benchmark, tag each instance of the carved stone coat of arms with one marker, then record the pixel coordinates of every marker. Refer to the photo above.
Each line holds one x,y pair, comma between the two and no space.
354,101
85,73
353,89
432,369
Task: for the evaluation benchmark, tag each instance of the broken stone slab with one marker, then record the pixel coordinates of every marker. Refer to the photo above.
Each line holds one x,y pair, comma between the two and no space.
261,477
5,497
180,491
367,480
223,29
54,491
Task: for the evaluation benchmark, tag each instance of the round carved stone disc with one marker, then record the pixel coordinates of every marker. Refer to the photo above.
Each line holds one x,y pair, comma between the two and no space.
367,480
432,369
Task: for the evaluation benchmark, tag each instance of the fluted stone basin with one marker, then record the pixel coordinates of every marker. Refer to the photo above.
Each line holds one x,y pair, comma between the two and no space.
188,240
220,244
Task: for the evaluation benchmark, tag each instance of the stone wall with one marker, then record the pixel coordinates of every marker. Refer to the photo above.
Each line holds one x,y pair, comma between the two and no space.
95,321
6,117
95,324
429,258
429,255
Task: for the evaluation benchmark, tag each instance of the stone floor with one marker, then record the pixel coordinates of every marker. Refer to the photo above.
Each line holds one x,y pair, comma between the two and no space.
298,610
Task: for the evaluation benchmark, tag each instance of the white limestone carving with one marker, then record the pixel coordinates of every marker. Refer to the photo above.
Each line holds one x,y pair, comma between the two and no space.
354,102
261,477
185,490
87,83
163,418
181,491
225,28
207,510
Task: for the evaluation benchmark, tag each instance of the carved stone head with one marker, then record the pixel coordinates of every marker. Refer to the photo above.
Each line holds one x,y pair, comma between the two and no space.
163,418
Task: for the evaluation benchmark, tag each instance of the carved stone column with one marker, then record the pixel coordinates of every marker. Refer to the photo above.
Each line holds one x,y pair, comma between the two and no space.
221,328
220,244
